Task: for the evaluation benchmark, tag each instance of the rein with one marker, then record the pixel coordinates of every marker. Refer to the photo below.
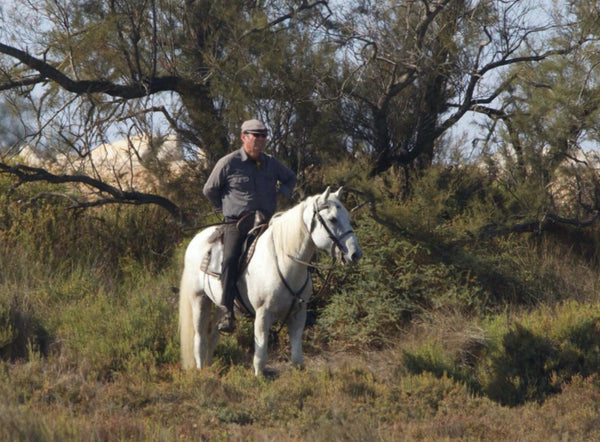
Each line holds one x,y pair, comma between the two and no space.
317,268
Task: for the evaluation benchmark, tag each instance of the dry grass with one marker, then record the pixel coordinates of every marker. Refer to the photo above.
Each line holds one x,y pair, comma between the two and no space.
357,396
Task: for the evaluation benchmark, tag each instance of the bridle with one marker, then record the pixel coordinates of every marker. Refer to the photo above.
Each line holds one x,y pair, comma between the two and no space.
337,241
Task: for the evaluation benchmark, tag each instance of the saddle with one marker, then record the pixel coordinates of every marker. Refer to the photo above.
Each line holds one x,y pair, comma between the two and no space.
212,260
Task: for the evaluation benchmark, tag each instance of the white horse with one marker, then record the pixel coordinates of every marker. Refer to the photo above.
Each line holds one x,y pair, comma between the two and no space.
275,285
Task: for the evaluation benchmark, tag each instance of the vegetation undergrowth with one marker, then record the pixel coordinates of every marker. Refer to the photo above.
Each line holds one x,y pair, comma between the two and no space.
431,336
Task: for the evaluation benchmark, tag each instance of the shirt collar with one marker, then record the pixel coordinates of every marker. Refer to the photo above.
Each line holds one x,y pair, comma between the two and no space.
245,156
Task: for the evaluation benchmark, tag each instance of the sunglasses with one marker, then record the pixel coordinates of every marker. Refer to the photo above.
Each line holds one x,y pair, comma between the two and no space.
255,135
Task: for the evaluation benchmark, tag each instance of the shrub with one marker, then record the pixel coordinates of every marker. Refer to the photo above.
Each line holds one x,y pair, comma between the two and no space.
543,350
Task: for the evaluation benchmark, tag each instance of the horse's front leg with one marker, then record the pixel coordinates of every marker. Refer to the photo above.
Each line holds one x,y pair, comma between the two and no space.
262,325
295,325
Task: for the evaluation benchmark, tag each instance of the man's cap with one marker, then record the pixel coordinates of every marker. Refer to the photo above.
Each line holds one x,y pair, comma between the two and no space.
254,126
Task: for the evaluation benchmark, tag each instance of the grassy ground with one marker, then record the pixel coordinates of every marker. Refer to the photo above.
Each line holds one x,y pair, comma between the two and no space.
339,396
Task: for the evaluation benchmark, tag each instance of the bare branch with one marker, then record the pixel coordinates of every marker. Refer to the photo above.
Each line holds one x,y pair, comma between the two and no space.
47,71
27,174
32,81
188,134
535,226
305,5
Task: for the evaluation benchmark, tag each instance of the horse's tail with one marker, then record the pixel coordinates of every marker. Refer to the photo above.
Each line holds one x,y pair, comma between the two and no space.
186,324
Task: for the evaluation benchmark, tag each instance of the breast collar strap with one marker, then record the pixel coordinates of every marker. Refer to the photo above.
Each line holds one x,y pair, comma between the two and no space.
296,294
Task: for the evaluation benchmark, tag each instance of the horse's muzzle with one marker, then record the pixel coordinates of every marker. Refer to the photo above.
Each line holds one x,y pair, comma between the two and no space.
351,257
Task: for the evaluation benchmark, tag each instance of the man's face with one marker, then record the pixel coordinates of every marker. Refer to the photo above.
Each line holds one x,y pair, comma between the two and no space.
253,144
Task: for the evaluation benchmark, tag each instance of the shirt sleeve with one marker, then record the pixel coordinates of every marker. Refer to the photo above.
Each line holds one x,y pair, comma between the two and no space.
287,180
215,184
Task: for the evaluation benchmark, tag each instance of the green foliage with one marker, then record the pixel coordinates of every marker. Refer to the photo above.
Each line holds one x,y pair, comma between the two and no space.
22,328
420,258
523,371
528,359
64,238
431,361
543,351
421,264
396,282
442,326
112,332
76,277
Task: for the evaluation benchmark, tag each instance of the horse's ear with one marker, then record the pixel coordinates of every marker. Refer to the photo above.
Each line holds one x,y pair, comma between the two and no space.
338,193
325,195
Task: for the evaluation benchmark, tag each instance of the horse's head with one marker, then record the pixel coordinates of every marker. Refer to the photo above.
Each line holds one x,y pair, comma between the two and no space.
328,222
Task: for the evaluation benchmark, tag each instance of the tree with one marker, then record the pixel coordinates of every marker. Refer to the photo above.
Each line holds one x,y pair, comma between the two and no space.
10,126
418,67
548,127
381,80
93,69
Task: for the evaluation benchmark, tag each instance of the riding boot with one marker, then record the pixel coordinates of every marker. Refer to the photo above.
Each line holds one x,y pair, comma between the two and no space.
227,322
232,245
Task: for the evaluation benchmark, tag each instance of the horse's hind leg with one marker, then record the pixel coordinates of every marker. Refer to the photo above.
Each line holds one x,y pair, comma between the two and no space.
295,325
196,315
203,339
211,335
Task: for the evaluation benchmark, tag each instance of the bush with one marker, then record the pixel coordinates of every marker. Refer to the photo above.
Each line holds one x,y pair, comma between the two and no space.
543,351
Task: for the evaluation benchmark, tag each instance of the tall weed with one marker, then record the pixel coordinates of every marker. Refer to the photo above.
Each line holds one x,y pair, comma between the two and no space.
78,282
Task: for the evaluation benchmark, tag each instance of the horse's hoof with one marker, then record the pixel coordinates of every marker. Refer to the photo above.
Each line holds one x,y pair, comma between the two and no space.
268,373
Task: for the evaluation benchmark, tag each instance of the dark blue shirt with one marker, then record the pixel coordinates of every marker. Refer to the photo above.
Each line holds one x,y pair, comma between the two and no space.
239,184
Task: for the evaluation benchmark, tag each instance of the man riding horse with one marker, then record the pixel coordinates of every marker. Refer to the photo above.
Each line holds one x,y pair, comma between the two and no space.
242,183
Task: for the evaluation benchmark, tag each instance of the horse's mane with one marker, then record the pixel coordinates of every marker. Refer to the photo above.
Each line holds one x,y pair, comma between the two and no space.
288,227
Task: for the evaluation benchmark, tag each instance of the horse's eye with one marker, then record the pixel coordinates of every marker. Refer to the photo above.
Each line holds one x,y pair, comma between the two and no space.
334,220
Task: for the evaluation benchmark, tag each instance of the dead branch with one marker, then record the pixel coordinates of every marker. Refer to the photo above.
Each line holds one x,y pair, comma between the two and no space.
27,174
